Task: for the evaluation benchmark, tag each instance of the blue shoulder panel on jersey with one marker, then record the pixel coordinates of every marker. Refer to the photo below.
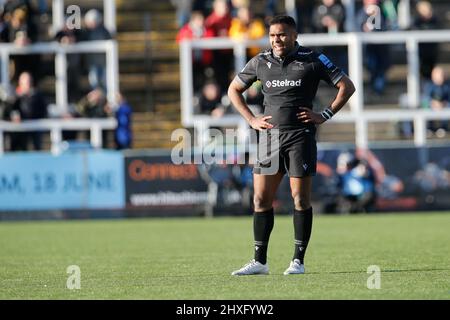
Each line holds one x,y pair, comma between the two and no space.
326,61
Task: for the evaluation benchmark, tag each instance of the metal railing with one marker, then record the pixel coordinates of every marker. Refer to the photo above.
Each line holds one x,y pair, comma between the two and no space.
109,47
56,126
354,41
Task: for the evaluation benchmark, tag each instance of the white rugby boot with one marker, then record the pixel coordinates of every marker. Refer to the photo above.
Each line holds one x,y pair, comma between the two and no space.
253,267
295,268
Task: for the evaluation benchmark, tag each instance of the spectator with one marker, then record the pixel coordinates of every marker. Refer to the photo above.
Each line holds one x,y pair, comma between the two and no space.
219,21
95,30
183,8
436,96
357,184
93,105
19,31
329,17
68,36
29,104
370,19
425,19
244,27
210,101
202,59
123,136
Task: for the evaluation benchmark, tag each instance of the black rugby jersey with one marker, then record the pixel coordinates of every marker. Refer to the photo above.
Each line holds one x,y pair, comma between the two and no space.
289,83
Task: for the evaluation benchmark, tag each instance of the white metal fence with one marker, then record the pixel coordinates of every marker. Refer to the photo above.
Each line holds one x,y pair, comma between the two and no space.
354,41
55,126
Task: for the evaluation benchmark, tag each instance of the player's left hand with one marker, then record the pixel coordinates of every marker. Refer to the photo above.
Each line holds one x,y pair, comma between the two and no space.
308,116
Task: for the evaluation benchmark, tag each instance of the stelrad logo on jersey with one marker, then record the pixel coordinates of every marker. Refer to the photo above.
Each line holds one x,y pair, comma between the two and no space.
283,83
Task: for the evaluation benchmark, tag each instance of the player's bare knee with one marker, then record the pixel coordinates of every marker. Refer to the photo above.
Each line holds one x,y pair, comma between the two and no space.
261,203
301,203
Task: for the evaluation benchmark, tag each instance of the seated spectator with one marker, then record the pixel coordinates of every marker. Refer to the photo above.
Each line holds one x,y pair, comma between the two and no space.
123,135
425,19
244,27
29,104
371,19
183,8
219,21
436,96
95,30
210,101
202,59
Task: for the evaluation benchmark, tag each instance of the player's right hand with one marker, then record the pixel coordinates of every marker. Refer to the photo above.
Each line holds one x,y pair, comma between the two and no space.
260,123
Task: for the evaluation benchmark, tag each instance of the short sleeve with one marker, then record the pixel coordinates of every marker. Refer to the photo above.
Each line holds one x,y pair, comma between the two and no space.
328,71
248,74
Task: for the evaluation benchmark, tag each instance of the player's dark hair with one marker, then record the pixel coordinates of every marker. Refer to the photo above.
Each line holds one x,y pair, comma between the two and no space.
282,19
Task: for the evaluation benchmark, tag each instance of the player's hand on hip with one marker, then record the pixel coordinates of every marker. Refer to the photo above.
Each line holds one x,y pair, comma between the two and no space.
308,116
260,123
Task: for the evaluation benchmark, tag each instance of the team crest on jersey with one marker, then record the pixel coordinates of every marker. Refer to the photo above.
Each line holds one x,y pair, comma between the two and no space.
269,64
298,66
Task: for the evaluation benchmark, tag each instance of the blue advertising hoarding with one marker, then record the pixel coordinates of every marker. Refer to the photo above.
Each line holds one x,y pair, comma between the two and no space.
41,181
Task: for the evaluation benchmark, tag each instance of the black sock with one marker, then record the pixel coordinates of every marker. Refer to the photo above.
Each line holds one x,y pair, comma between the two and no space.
302,229
262,227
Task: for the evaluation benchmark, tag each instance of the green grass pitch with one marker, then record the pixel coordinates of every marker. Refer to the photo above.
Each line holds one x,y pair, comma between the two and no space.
192,258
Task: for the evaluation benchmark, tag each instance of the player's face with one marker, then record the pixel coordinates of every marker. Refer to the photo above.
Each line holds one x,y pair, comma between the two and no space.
282,39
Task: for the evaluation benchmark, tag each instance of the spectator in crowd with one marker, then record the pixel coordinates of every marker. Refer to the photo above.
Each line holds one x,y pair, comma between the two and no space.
123,135
357,184
29,104
68,36
219,21
329,17
209,101
92,105
436,96
202,59
183,8
95,30
244,27
425,19
20,31
376,56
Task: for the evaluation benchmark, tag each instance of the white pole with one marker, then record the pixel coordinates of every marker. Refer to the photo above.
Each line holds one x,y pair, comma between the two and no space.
112,72
61,81
5,70
2,147
412,49
187,90
420,131
109,14
96,136
355,61
58,15
56,138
